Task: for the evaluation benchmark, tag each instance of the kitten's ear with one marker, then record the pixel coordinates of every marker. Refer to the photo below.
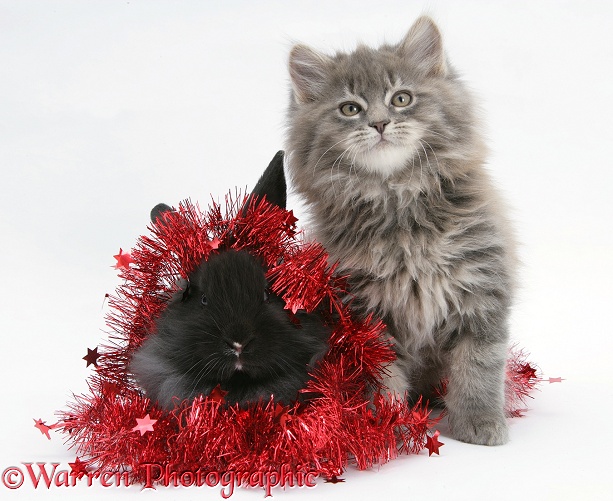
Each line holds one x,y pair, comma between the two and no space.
423,46
272,183
308,70
157,211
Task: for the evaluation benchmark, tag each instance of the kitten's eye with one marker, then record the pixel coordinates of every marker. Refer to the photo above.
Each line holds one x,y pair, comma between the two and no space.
401,99
204,300
350,109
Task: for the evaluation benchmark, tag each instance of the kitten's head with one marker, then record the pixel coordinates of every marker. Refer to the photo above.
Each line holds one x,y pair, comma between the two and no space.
377,112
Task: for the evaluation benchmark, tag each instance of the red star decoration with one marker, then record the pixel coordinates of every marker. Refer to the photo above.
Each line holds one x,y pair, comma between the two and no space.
294,305
291,220
44,429
284,419
214,244
528,371
110,389
144,425
217,395
123,259
433,444
334,480
92,357
279,410
78,468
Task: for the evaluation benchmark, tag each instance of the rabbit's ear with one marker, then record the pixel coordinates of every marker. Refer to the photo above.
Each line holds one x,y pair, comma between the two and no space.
157,211
272,183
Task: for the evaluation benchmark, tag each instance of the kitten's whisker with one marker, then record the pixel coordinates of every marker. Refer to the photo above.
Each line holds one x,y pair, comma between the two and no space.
421,168
338,159
337,162
352,164
412,167
413,126
438,165
425,153
432,150
346,153
323,154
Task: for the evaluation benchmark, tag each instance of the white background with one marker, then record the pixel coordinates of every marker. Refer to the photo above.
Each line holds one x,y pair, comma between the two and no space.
108,107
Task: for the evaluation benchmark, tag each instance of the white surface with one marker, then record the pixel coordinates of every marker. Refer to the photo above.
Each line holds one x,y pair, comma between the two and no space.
108,107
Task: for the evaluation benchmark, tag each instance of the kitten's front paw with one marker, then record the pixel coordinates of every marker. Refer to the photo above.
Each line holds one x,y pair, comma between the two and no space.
480,430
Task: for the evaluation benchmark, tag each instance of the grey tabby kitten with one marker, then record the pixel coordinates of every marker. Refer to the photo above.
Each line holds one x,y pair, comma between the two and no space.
385,148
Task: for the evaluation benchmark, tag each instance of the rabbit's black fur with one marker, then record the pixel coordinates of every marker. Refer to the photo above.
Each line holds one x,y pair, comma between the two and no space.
224,327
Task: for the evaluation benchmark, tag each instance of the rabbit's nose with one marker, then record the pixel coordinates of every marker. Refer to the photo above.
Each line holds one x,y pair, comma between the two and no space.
238,347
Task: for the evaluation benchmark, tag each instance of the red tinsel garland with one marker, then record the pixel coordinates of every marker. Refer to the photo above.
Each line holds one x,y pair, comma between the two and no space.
338,426
114,427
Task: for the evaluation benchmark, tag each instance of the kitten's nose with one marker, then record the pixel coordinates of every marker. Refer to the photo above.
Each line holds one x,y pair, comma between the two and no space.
380,126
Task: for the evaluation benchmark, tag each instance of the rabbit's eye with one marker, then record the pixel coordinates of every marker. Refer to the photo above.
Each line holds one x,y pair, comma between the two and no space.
204,300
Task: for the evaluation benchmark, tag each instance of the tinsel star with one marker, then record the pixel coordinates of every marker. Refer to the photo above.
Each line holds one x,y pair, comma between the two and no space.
433,444
214,244
281,415
78,468
294,305
110,389
217,395
92,357
123,259
528,371
144,425
279,410
291,220
44,429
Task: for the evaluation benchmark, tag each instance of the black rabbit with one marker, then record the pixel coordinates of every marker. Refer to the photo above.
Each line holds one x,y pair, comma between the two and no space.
224,327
